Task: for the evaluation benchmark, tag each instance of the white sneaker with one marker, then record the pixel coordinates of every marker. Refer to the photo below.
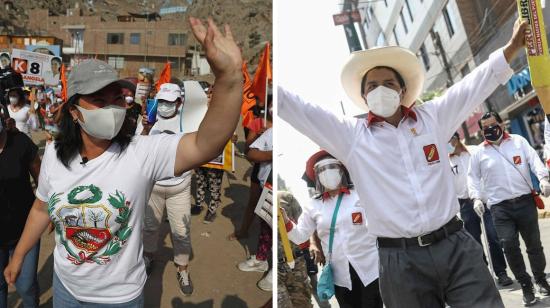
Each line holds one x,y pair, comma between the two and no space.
266,283
253,265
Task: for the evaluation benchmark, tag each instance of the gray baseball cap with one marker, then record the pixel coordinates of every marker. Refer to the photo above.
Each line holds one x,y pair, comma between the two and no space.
90,76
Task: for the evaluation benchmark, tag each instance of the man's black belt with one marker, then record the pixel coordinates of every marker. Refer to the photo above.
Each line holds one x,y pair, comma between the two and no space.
427,239
516,199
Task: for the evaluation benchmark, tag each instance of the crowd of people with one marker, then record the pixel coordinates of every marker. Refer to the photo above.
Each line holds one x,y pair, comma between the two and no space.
109,172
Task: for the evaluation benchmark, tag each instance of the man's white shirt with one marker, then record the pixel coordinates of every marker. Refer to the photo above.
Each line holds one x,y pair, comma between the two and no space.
459,166
402,173
494,170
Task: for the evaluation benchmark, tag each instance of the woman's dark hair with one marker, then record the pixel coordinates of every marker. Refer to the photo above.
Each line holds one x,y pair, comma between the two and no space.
400,79
489,114
69,141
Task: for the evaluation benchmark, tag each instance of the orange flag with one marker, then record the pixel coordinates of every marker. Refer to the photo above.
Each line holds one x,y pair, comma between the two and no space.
263,75
165,76
248,97
63,78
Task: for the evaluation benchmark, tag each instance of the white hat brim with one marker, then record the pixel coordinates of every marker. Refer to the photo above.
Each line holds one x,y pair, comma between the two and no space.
402,60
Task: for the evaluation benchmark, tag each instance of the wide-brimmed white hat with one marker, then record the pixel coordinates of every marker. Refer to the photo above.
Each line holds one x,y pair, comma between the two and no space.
402,60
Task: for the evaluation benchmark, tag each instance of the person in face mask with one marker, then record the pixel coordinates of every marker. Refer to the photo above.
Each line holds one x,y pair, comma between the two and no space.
133,109
20,111
95,181
459,157
261,152
500,171
354,258
397,157
173,194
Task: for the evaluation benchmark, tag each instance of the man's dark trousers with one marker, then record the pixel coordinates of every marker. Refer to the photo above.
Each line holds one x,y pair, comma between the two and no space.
519,216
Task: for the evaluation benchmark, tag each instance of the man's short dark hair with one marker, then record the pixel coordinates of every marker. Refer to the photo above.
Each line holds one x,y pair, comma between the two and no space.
489,114
400,79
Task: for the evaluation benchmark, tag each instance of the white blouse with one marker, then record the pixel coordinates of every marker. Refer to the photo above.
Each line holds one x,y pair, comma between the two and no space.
352,243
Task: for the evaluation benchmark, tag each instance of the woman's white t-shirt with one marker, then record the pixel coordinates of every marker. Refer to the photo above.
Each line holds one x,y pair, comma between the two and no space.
264,143
21,118
98,209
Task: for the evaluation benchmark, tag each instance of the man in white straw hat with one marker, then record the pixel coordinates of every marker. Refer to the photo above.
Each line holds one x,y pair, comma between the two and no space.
398,163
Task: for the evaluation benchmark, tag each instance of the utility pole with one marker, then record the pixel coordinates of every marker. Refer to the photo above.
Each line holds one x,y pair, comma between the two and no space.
437,43
355,6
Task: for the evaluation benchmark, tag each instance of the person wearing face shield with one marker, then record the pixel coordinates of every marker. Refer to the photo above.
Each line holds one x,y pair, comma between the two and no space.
20,111
95,181
173,194
500,170
19,161
459,157
397,160
354,257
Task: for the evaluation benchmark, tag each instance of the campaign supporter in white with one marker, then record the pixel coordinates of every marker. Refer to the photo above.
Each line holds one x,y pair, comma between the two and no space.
264,143
401,173
22,119
459,166
98,209
353,244
494,169
172,125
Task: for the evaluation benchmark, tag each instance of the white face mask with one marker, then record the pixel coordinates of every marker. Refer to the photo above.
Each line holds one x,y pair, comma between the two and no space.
166,110
330,178
14,100
383,101
129,99
103,123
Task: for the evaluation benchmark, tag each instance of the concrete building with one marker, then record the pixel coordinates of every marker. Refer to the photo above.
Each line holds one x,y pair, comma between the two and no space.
517,103
9,42
128,43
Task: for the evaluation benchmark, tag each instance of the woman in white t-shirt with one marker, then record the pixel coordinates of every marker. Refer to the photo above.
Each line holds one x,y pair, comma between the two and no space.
96,180
354,253
20,111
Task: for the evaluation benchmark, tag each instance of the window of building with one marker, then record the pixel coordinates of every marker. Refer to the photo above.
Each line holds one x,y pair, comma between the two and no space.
403,21
135,38
409,10
425,57
176,39
395,36
116,62
448,22
115,38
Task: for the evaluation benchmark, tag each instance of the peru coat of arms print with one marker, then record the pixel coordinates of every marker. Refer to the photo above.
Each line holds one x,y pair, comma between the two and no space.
90,228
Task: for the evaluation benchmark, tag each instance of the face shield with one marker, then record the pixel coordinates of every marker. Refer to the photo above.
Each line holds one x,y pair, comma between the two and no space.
329,175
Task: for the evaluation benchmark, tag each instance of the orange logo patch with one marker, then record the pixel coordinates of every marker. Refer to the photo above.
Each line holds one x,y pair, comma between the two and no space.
517,160
432,155
357,218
